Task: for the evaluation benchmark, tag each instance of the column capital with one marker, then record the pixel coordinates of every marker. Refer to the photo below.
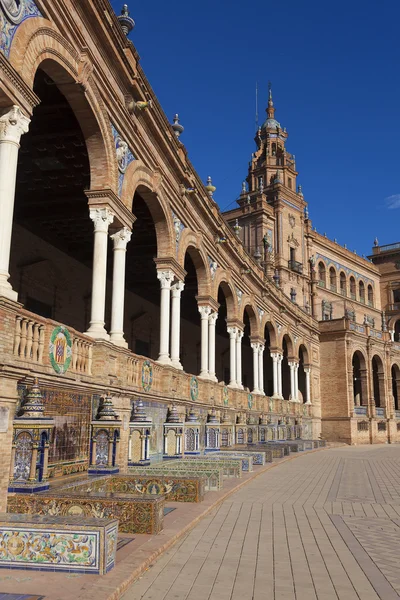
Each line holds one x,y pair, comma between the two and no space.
177,288
261,347
212,319
255,346
13,123
232,331
204,311
121,238
239,335
276,356
102,218
165,277
307,369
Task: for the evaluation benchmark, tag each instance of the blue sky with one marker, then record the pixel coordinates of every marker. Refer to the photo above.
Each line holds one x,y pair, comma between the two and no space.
336,85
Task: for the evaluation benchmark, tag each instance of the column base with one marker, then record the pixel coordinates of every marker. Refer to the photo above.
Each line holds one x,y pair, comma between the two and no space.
97,332
213,378
164,359
176,363
7,292
118,339
256,391
233,385
204,375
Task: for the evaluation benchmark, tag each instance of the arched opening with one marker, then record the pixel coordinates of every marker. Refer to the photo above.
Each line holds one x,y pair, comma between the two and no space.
332,279
352,288
397,331
359,380
361,291
378,382
249,321
270,339
303,362
321,274
287,352
142,303
370,295
222,362
343,284
52,242
40,462
190,316
396,385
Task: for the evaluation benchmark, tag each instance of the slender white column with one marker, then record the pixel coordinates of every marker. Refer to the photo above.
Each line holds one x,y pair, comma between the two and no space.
255,347
292,384
165,277
120,239
232,355
307,371
279,375
212,319
274,356
102,218
296,382
239,359
176,291
205,312
12,125
261,368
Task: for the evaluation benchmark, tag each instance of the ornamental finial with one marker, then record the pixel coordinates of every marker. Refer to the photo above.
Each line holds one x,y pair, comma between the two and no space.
210,187
176,126
126,22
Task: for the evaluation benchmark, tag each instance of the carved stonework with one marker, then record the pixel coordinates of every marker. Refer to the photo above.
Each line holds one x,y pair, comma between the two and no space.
12,125
102,218
121,238
292,220
213,267
165,278
292,240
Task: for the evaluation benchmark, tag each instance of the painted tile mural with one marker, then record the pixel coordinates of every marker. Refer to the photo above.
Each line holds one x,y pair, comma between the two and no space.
69,447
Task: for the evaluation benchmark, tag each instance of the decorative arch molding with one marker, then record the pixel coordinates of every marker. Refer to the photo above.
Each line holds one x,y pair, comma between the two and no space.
306,352
249,306
191,242
273,335
291,348
223,280
45,48
361,351
141,179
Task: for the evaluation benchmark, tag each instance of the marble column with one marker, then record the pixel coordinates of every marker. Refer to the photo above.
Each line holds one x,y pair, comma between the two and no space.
102,218
176,291
296,382
12,125
279,375
274,356
255,347
292,385
212,320
261,348
165,277
239,337
307,371
205,312
232,331
120,239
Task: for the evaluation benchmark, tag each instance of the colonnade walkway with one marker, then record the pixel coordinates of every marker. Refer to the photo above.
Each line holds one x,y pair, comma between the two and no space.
324,526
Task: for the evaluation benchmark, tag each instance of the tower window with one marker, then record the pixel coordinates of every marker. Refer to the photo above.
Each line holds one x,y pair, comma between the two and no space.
289,182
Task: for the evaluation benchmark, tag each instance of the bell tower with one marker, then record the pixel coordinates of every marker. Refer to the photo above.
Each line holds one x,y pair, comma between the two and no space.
270,213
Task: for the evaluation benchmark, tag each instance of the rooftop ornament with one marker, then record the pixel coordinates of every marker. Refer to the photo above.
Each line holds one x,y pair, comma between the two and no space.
244,189
306,212
376,243
173,415
236,228
176,126
210,187
142,104
126,22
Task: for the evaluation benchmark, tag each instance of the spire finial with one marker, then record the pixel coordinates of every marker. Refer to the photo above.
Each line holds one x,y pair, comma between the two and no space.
176,126
126,22
270,101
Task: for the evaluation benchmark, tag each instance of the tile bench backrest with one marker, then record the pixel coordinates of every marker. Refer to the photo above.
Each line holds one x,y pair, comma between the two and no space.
213,476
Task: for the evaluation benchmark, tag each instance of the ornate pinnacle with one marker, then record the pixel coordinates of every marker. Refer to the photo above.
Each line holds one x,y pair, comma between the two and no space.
33,407
176,126
126,22
210,187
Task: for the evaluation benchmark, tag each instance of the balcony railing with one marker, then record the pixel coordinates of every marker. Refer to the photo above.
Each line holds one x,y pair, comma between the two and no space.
295,266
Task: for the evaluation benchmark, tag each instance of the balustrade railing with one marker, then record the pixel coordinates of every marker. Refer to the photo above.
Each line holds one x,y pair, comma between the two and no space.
29,339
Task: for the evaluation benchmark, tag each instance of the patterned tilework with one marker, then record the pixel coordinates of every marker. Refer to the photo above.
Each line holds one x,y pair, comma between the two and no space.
339,267
11,17
213,475
136,514
20,597
61,544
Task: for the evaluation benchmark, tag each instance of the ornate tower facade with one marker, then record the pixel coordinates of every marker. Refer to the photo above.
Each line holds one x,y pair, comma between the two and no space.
270,215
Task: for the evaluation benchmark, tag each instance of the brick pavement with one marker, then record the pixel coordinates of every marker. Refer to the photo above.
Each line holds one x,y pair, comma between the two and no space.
323,526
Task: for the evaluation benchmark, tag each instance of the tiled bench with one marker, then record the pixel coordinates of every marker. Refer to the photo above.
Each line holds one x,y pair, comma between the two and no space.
212,475
174,488
144,514
232,467
260,457
50,543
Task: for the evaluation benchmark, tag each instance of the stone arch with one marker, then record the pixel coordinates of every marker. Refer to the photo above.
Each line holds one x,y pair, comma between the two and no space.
343,283
46,49
378,377
321,270
359,377
361,290
139,178
273,335
286,337
333,278
395,377
223,280
394,326
190,243
248,307
306,353
370,294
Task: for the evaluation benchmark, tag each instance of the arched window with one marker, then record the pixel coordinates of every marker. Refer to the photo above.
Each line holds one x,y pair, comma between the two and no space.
361,290
352,288
321,274
343,284
332,279
370,295
396,386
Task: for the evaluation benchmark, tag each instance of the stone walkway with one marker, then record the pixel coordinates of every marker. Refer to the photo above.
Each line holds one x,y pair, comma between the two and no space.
323,526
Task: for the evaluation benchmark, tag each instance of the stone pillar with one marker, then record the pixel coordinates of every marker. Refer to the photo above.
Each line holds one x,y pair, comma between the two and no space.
232,331
102,218
94,452
12,462
205,312
274,356
261,348
307,371
212,319
292,383
110,452
279,375
165,277
176,291
12,125
296,382
120,239
255,347
239,359
46,462
32,472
